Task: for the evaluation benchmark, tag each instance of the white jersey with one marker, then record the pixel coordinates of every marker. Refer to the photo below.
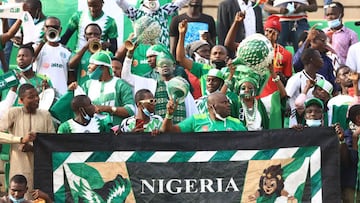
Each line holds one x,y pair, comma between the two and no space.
53,62
294,87
353,56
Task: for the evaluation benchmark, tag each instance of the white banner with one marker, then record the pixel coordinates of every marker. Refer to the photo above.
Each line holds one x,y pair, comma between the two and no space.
12,10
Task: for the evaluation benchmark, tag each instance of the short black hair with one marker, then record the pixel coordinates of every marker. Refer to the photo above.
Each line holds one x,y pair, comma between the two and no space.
79,101
20,179
353,112
338,5
23,88
29,47
140,94
93,24
341,66
307,55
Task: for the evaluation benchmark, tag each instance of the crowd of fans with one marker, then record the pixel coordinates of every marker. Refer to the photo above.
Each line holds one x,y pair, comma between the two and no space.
100,87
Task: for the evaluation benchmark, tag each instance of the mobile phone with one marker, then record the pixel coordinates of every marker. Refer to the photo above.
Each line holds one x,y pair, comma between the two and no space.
139,123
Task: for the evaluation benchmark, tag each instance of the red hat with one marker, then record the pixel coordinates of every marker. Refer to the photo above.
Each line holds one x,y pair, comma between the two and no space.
273,22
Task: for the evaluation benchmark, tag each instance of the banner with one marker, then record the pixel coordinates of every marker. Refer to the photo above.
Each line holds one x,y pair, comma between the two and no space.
13,10
265,166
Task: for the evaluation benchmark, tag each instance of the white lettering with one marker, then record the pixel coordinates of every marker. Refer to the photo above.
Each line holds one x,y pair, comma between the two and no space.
161,186
232,185
169,184
219,184
206,183
147,184
190,186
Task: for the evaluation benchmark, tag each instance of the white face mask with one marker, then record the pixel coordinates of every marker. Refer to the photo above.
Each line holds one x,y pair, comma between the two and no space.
200,59
334,23
16,200
218,116
313,123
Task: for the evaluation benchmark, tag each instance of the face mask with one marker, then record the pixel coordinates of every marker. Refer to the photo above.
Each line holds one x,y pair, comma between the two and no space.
146,112
200,59
313,123
25,69
96,74
334,23
16,200
218,116
219,64
242,94
85,115
152,5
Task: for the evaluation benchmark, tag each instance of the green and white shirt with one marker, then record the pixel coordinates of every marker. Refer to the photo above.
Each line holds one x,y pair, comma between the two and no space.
114,92
203,123
128,124
71,126
80,19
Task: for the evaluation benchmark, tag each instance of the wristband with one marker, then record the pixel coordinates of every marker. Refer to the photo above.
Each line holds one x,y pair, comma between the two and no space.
168,116
342,141
228,83
276,79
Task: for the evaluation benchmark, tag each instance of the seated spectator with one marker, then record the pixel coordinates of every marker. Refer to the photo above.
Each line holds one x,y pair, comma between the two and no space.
312,61
145,120
17,190
217,119
84,121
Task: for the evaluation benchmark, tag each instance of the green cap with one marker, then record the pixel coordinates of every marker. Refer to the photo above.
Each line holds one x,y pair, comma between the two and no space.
246,74
164,59
314,100
216,73
325,85
101,58
177,88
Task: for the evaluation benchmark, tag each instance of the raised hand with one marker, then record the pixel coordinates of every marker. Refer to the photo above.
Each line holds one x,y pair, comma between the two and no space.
182,26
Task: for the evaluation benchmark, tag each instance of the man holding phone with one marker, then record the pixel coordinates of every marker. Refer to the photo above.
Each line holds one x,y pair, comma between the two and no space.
144,120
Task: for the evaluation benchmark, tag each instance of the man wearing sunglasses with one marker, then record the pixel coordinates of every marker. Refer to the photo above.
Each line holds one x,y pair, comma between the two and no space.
145,120
51,57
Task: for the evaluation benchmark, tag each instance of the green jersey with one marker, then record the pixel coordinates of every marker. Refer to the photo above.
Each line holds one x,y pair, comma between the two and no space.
71,126
128,124
203,123
114,92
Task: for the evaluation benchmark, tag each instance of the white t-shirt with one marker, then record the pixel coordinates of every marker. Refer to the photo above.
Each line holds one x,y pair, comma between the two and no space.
353,57
53,62
294,87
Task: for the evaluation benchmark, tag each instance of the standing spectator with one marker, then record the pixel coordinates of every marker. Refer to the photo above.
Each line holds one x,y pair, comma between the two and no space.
226,13
81,19
20,121
79,62
52,58
341,37
293,18
145,120
165,66
24,60
317,39
153,9
312,61
111,95
198,24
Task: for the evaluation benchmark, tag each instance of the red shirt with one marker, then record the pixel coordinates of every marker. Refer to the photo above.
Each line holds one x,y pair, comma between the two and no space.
283,63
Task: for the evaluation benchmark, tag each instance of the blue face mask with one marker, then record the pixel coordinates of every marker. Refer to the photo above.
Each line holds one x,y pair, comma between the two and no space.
146,112
25,69
16,200
313,123
85,115
96,74
334,23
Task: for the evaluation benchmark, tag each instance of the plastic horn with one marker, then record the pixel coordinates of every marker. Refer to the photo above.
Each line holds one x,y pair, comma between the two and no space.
130,43
52,35
95,46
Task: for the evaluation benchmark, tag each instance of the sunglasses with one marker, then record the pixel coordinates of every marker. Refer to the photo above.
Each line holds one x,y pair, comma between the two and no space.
333,5
148,101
